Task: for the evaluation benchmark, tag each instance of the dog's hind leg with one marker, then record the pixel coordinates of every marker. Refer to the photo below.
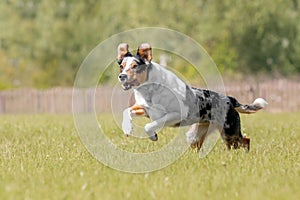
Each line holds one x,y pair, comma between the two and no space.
245,143
232,134
192,136
196,135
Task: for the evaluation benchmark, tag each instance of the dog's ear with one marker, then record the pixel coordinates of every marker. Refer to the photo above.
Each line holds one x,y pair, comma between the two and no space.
145,52
123,52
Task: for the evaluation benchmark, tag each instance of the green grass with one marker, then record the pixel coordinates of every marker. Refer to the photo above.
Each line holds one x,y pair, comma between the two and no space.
42,157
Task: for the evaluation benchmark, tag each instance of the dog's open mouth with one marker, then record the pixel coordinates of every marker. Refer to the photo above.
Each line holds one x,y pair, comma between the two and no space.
129,85
126,86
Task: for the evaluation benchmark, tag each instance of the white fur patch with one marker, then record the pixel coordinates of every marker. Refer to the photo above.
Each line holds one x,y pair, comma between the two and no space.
260,102
127,122
140,99
129,61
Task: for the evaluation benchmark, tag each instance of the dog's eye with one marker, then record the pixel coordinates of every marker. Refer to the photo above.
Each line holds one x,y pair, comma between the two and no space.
121,68
134,66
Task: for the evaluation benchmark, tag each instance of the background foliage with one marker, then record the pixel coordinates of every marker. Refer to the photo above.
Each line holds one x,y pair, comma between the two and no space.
42,43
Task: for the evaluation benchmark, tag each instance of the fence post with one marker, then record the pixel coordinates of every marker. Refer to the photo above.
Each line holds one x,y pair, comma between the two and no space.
3,103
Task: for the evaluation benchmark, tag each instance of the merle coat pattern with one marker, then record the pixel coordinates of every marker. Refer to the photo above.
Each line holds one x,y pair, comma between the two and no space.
168,101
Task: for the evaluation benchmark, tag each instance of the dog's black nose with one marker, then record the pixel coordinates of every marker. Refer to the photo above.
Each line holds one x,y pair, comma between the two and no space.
122,77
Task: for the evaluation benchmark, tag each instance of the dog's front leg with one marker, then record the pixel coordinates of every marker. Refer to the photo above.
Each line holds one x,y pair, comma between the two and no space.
128,113
127,122
166,120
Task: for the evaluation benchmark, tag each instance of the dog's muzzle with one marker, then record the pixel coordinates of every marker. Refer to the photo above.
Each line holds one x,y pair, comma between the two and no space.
123,78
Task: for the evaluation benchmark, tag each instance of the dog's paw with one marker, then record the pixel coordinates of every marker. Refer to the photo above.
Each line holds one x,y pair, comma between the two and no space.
153,137
246,144
150,132
127,128
127,122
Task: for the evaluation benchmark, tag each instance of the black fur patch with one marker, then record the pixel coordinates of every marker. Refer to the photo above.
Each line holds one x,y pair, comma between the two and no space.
220,109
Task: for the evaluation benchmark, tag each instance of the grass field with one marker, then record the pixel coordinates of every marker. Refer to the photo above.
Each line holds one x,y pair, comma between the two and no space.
42,157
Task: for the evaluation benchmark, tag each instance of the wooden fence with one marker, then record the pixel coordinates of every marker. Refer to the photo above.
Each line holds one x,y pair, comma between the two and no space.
282,96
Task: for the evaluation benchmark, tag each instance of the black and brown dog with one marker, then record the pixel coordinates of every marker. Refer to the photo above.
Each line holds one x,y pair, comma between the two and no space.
168,101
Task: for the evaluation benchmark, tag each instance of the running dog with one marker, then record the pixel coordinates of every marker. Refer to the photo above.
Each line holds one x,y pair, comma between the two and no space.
169,101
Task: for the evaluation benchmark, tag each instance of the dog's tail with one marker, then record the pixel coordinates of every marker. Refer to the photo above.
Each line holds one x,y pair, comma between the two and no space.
257,104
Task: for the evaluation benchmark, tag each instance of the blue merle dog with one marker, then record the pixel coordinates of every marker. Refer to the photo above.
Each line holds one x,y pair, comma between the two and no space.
169,101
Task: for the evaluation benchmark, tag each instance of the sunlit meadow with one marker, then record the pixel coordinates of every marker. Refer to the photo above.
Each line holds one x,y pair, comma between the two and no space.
42,157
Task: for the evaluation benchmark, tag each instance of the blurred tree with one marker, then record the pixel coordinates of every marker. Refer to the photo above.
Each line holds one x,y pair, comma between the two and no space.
42,43
264,34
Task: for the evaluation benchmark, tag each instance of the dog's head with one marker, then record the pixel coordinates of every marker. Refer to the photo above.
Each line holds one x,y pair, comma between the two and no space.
133,69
